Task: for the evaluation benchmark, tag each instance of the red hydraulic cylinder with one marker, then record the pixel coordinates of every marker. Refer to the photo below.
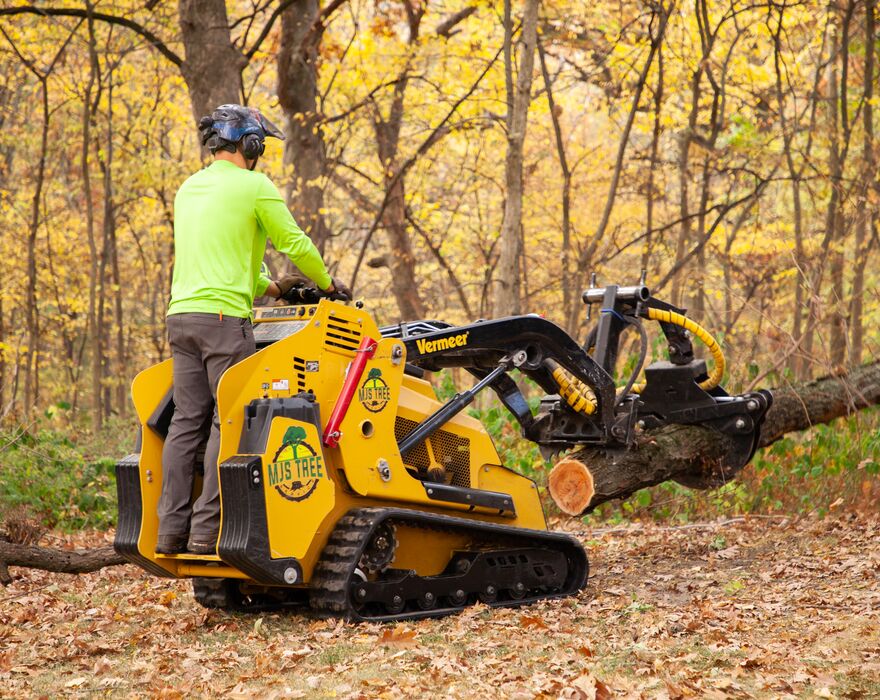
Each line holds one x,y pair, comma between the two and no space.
365,351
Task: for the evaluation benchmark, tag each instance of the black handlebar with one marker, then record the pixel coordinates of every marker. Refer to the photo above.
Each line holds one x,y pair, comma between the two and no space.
301,294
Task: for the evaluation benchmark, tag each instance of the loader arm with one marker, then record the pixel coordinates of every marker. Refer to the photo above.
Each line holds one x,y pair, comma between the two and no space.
583,405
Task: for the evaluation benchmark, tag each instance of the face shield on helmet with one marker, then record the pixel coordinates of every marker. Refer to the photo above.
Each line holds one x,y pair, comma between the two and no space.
231,124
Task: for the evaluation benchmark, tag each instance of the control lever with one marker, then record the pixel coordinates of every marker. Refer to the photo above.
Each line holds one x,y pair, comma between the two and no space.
302,294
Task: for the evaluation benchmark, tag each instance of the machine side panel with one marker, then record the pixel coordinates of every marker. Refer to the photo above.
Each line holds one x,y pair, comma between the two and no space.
299,491
462,449
367,448
244,541
128,526
148,391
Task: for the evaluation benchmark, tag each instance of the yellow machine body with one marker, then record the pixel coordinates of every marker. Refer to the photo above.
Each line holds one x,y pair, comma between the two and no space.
346,483
305,488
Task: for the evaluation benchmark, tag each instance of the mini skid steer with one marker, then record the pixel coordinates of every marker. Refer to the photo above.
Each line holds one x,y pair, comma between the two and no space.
347,485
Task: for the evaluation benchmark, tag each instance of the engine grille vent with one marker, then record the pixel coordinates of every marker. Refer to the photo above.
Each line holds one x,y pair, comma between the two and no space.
299,375
453,452
418,455
450,450
342,335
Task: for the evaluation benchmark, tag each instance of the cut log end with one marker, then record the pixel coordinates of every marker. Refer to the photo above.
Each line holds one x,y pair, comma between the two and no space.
571,486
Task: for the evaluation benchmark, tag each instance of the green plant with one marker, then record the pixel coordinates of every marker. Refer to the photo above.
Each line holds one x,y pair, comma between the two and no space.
46,473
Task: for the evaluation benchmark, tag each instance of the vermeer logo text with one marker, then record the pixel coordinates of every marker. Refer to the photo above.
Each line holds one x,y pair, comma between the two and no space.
452,341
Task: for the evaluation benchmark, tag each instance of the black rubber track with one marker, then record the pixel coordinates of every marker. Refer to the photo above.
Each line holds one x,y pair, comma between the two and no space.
334,573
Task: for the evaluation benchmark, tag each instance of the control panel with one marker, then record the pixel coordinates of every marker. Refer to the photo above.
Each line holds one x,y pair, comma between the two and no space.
277,313
272,323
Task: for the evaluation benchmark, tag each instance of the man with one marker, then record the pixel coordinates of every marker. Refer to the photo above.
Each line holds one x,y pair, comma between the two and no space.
222,217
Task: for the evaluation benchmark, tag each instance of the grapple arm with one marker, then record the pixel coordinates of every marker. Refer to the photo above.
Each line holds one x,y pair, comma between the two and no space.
583,405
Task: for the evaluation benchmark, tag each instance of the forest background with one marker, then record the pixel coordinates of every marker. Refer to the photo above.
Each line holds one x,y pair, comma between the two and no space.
456,160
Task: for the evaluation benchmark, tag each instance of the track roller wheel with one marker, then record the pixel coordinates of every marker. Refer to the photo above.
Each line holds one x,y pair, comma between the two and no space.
518,591
427,601
379,552
396,605
458,598
489,594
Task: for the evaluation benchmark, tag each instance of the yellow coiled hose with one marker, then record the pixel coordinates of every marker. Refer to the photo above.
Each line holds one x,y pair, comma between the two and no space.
582,399
576,394
717,372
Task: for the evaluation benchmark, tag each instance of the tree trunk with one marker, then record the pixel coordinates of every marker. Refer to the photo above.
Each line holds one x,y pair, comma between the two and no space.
797,361
304,149
401,259
213,66
31,367
863,211
650,194
93,335
693,454
507,289
836,215
568,300
113,251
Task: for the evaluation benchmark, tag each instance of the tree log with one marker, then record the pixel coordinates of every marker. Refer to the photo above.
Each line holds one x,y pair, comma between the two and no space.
72,561
571,486
693,455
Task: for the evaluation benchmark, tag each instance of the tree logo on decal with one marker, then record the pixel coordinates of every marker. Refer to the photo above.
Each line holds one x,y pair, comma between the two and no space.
374,393
296,468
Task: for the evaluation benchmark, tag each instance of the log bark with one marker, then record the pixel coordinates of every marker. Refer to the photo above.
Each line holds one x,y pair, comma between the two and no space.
73,561
693,455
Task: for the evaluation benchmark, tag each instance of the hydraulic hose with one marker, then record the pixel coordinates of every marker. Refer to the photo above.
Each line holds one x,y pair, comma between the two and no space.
643,353
582,399
676,319
576,394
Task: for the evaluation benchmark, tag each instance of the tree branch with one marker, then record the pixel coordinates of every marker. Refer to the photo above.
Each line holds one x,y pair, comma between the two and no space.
282,6
445,27
422,149
82,13
75,561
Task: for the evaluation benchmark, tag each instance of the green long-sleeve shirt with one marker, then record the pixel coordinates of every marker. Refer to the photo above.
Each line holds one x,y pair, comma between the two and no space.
222,217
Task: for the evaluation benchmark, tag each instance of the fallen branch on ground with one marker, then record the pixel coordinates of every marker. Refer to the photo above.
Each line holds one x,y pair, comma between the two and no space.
66,561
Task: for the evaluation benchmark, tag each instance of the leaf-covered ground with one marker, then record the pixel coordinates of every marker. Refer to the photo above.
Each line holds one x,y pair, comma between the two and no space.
751,608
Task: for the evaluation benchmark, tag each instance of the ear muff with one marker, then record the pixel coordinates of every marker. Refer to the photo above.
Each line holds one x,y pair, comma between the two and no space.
252,146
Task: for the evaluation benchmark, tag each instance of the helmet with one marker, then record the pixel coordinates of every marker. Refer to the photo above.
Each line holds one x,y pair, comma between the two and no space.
229,124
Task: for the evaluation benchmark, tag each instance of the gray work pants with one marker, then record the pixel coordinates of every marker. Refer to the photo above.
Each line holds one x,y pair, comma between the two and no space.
203,347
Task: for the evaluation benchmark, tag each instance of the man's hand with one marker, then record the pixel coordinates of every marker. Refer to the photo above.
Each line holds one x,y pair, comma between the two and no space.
288,282
339,290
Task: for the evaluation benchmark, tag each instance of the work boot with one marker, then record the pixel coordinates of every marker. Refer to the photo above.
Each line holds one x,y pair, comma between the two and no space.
171,544
200,544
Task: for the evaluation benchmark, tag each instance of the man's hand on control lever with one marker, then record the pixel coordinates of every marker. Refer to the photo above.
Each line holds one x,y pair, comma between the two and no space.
338,290
297,289
288,282
280,289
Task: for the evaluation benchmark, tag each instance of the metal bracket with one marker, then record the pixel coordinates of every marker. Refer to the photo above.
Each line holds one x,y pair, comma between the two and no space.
384,470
